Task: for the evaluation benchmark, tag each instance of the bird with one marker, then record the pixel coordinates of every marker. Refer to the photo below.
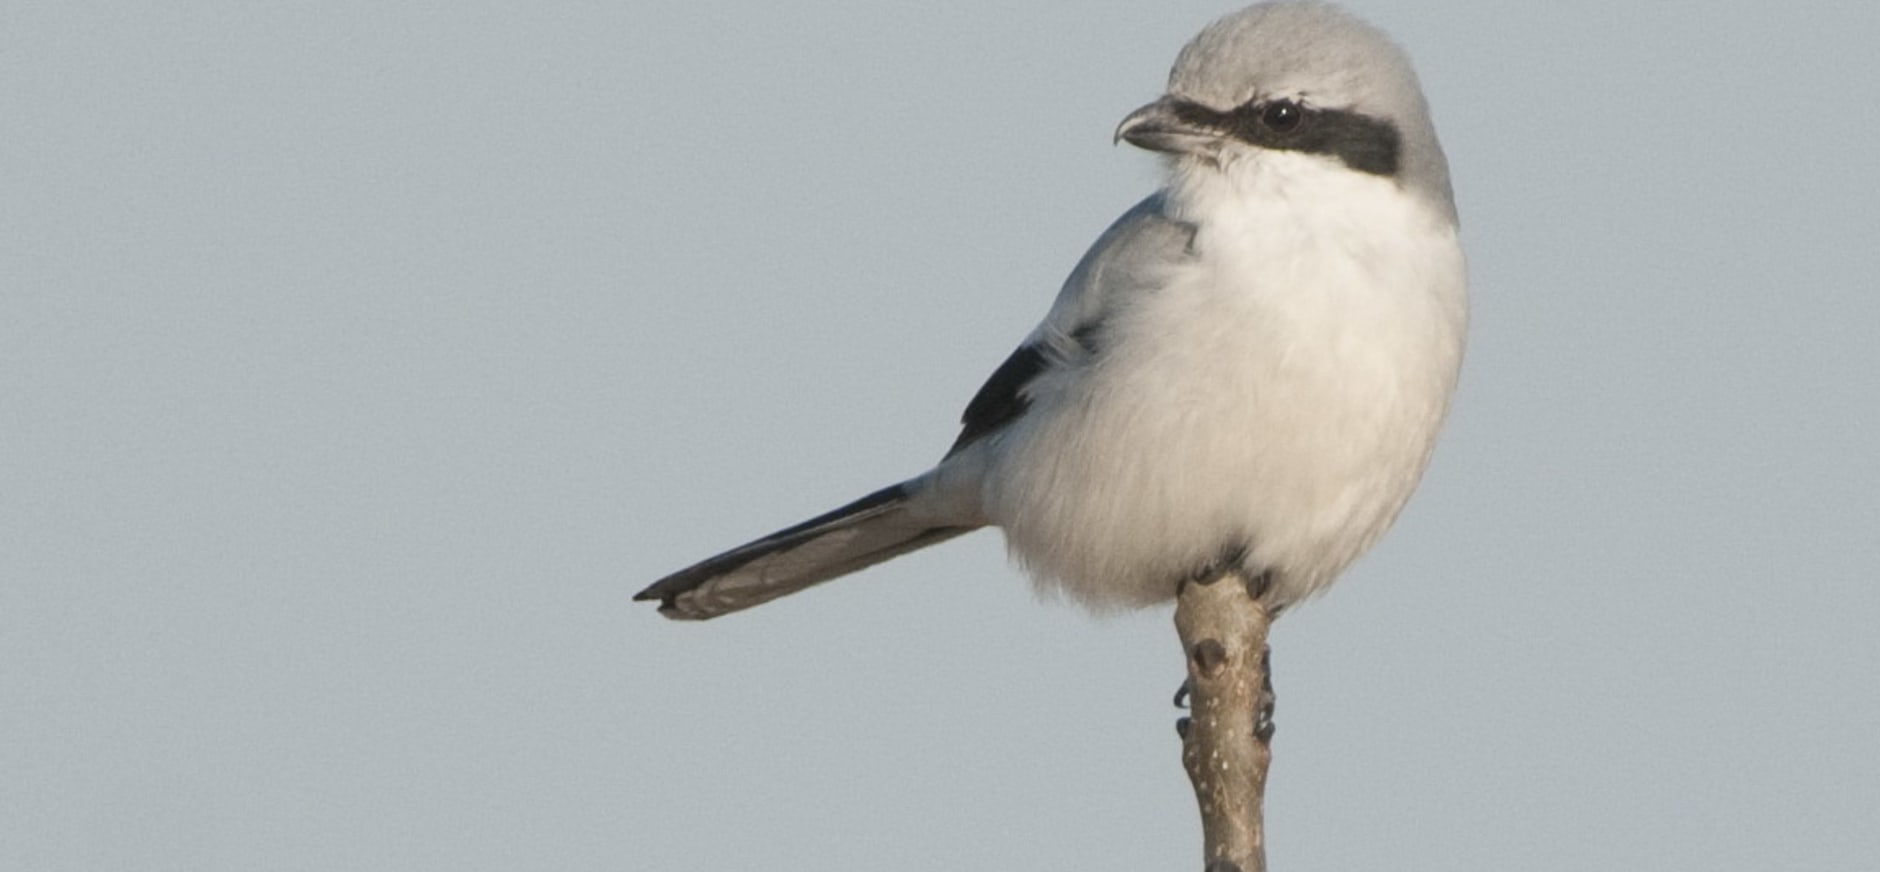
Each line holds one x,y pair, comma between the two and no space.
1246,372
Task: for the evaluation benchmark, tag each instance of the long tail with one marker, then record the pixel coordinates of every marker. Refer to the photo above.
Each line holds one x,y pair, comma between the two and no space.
856,536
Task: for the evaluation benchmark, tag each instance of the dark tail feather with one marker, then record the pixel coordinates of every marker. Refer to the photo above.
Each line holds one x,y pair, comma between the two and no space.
856,536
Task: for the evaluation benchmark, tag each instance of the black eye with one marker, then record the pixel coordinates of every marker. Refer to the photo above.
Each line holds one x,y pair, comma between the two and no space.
1282,116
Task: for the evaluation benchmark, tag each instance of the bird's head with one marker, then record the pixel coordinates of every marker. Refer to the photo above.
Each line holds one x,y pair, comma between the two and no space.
1298,77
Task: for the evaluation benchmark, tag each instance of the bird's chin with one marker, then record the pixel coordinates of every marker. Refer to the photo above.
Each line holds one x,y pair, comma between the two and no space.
1207,152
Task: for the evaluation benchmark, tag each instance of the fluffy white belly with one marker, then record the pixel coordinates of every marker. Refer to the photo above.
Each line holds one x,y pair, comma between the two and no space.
1278,397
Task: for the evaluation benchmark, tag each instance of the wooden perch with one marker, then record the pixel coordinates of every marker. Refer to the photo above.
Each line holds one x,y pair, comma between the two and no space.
1226,738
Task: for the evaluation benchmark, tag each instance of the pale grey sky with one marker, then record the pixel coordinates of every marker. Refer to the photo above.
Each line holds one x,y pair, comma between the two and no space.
359,361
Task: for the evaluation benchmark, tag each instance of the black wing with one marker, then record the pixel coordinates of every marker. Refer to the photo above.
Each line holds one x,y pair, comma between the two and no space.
1131,257
1001,399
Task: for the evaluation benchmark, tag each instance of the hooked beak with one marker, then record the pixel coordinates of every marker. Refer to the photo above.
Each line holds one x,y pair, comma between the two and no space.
1164,126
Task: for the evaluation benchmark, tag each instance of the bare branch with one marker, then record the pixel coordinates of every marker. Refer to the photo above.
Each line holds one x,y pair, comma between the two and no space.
1226,739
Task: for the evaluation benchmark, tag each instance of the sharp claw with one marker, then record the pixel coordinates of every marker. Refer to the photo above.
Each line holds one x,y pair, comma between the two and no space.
1263,726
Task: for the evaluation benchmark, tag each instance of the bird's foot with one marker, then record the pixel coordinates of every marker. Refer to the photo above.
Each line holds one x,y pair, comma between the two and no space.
1263,718
1182,695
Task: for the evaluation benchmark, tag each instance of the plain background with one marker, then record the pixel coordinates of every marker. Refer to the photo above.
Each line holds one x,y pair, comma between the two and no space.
358,361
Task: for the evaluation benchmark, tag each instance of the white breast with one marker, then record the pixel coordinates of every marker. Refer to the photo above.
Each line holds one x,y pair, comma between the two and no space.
1281,391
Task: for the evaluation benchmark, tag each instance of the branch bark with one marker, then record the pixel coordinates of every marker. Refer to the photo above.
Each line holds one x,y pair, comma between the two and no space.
1226,740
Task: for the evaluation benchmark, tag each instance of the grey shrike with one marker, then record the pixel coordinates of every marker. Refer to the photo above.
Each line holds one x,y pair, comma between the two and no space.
1245,373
